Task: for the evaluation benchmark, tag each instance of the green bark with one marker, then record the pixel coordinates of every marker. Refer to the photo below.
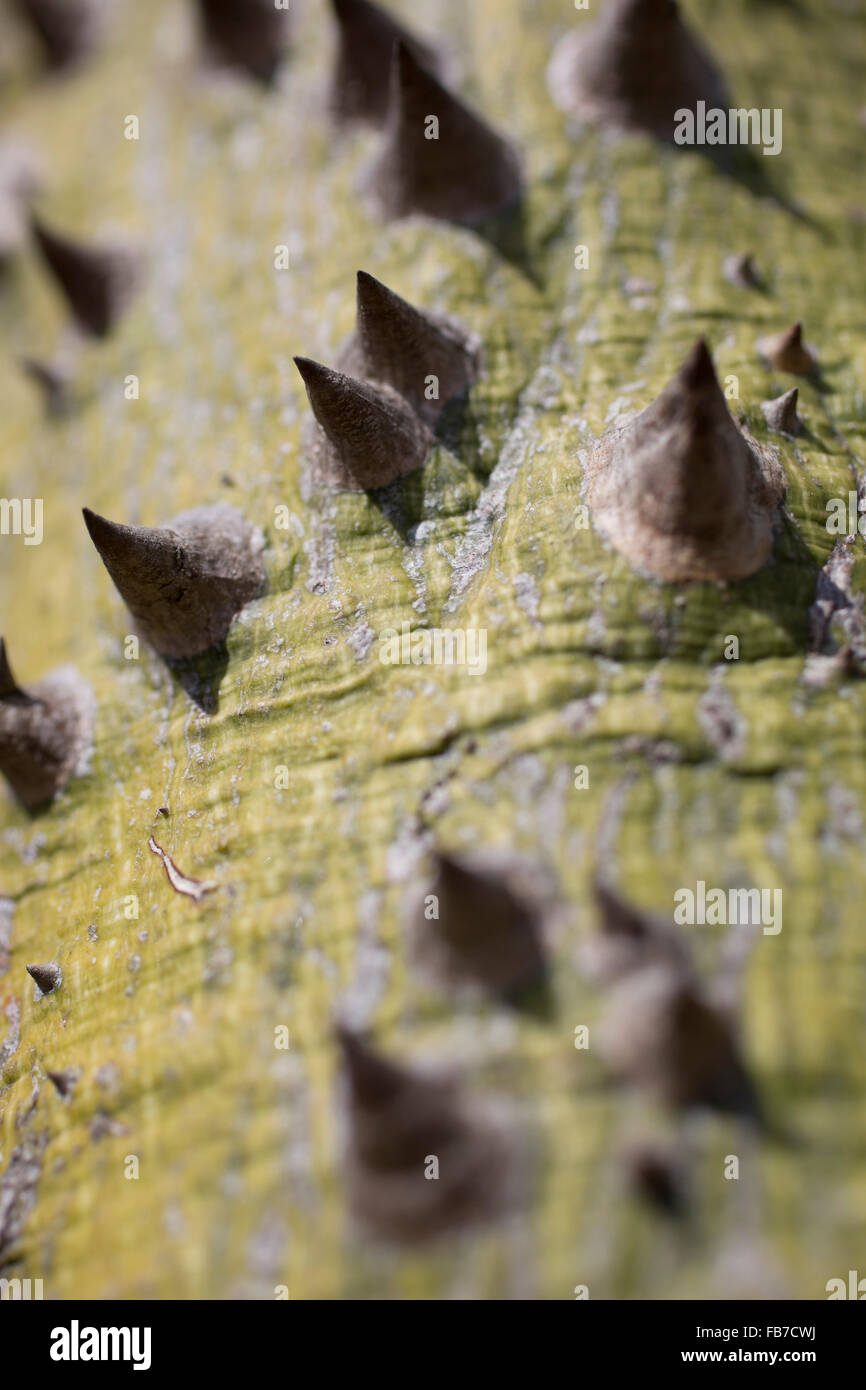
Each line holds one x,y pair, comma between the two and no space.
171,1017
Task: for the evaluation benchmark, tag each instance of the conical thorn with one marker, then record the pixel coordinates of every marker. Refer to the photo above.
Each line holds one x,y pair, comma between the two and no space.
366,35
781,413
369,435
680,489
429,358
48,977
184,583
438,157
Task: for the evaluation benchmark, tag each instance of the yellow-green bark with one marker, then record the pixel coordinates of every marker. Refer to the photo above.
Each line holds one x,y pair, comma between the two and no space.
238,1143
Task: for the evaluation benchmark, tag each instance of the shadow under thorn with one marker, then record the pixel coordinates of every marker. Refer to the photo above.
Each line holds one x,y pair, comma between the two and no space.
200,676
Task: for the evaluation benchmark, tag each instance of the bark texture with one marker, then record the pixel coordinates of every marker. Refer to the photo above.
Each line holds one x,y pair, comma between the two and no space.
737,772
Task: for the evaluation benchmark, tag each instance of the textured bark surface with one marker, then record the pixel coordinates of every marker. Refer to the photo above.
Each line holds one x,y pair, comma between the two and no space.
735,772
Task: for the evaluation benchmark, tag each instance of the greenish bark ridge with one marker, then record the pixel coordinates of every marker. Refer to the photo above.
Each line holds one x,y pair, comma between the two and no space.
734,772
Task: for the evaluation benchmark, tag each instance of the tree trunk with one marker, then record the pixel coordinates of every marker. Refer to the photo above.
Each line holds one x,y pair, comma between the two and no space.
732,771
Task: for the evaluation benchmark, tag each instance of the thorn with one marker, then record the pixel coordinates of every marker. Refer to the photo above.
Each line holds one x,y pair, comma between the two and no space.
373,1080
628,939
653,1174
69,31
781,413
402,347
400,1118
466,174
64,1082
787,351
185,582
697,375
9,687
680,490
45,735
48,977
661,1034
98,283
741,270
251,35
370,435
365,42
52,382
634,69
485,934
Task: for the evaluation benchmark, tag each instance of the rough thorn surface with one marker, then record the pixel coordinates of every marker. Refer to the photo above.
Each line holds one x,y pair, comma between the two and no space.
97,282
634,68
787,351
366,35
48,977
401,346
680,490
482,932
183,583
46,733
69,31
781,413
466,174
398,1119
368,434
251,35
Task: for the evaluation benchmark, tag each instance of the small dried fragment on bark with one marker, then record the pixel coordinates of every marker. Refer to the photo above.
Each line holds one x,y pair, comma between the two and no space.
401,346
367,435
680,490
468,173
194,888
45,732
482,933
399,1120
48,977
251,35
97,282
366,35
787,351
781,413
184,582
634,68
69,31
